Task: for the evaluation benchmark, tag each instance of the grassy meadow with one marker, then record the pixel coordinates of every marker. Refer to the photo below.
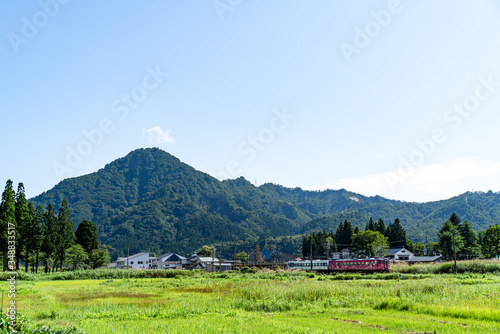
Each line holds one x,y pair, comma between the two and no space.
263,302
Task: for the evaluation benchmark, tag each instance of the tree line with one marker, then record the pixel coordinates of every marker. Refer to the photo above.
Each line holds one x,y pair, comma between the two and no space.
35,235
376,233
457,237
453,237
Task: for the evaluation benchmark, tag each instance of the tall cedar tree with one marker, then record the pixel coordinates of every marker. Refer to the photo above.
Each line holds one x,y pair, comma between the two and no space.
22,222
381,227
371,225
50,235
396,234
7,218
306,246
455,220
65,230
36,239
343,235
86,236
30,238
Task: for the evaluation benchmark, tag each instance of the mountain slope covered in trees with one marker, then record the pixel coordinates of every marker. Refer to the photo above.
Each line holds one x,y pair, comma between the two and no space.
151,201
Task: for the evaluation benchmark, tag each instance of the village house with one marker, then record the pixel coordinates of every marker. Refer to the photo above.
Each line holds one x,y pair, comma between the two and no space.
136,261
170,261
399,254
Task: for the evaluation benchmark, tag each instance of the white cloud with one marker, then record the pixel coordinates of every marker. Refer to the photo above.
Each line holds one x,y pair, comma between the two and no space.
157,135
430,182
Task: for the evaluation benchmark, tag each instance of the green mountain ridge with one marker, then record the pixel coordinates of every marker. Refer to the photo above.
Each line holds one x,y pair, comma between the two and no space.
150,201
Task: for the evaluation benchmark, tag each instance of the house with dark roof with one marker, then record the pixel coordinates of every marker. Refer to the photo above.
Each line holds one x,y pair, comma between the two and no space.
399,254
193,262
170,261
276,256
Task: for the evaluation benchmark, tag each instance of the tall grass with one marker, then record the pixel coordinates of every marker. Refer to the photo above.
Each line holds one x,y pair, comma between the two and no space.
99,274
248,301
471,266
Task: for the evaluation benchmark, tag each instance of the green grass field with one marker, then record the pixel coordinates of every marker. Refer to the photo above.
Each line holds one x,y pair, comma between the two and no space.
268,302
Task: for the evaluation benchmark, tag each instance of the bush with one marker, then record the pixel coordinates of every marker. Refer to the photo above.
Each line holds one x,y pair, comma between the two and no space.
22,325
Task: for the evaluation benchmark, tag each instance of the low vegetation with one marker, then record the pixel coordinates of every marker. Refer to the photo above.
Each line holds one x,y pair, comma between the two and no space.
109,301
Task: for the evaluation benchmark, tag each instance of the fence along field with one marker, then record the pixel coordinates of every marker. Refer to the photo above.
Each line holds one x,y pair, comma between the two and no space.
113,301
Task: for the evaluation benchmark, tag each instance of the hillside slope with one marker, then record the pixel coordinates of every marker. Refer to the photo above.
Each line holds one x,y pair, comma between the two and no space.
151,201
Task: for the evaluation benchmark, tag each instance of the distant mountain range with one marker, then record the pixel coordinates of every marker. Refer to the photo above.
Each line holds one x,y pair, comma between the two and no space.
151,201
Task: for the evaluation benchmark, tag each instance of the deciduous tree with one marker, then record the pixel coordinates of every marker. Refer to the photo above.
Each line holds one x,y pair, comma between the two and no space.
445,243
208,251
76,256
491,242
470,249
369,244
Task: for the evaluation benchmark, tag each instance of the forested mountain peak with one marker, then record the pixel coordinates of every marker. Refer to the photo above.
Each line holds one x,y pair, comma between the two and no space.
151,201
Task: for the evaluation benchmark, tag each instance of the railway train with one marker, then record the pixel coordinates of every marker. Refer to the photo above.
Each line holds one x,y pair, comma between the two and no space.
347,265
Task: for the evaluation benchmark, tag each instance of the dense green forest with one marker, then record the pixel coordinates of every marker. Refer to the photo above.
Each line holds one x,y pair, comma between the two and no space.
151,201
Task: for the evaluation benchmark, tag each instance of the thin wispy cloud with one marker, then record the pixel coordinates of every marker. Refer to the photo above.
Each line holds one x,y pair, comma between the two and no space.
158,135
429,182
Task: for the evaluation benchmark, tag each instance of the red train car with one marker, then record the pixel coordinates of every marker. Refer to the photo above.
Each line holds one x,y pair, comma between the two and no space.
367,265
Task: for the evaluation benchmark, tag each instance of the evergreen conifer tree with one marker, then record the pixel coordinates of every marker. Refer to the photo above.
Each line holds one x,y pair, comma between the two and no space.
22,221
7,221
66,236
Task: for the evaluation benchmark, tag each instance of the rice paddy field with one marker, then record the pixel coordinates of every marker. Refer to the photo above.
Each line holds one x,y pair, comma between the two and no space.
263,302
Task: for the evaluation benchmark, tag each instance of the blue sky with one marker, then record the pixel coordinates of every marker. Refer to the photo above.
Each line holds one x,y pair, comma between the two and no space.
395,98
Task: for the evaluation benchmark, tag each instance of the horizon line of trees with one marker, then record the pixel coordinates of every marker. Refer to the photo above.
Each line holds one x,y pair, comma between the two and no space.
35,235
459,237
454,236
324,243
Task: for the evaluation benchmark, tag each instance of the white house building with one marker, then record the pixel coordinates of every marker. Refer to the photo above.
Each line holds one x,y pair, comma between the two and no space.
399,254
136,261
170,261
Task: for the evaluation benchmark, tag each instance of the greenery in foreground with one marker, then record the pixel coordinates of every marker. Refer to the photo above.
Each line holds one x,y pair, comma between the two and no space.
266,302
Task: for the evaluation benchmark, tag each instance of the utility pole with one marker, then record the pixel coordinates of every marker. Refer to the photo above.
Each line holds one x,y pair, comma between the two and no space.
311,248
455,252
128,255
234,257
213,260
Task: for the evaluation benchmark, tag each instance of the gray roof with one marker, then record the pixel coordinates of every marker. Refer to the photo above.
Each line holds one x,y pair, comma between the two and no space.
392,251
424,258
168,255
